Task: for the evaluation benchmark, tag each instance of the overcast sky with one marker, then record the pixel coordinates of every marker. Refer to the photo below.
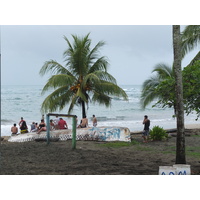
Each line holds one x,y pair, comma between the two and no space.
132,50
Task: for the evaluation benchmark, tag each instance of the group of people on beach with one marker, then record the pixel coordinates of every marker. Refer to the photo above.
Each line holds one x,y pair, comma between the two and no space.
60,123
55,124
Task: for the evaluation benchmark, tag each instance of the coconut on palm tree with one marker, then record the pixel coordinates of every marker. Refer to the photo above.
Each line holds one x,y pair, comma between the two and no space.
83,79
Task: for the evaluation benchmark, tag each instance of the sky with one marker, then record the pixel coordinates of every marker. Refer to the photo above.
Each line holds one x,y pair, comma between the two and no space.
132,50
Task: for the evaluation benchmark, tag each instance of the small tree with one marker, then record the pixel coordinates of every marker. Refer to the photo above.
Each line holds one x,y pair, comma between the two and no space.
157,133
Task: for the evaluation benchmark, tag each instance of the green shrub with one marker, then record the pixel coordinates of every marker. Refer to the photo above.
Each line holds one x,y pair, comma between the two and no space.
157,133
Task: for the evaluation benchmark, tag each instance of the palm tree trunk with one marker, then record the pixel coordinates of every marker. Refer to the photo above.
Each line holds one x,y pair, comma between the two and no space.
83,109
180,141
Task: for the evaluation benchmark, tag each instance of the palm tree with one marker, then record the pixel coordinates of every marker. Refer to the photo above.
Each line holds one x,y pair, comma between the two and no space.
83,79
149,87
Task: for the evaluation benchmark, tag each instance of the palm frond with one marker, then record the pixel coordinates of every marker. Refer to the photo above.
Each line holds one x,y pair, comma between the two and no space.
102,99
73,103
105,76
54,67
56,100
59,80
90,79
190,38
148,93
163,70
99,64
93,55
109,88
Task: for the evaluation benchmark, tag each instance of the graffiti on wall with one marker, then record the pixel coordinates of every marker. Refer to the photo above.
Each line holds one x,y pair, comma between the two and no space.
94,133
100,134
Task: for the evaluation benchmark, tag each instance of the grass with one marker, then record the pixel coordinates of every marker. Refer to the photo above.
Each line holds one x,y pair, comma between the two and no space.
138,145
190,151
119,144
193,154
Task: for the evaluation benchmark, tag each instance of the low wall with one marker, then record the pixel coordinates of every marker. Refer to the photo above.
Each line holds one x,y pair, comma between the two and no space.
94,133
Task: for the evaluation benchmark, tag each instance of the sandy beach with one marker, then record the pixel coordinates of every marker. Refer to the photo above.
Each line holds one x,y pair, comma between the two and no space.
98,158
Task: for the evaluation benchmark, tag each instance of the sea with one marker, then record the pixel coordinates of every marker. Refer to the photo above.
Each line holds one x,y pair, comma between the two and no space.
25,101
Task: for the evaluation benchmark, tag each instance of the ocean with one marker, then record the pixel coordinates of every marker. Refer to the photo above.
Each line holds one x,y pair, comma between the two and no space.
25,101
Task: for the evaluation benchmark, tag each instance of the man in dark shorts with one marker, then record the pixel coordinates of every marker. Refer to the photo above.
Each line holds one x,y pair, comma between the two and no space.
14,130
145,133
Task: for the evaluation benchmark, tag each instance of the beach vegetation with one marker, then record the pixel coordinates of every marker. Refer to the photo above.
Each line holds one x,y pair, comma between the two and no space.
191,84
191,90
160,87
157,133
84,78
119,144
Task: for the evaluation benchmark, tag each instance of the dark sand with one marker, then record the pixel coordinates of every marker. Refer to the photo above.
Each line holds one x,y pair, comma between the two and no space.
92,158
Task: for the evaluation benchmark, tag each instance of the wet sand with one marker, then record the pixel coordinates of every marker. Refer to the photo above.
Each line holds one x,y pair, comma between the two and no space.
95,158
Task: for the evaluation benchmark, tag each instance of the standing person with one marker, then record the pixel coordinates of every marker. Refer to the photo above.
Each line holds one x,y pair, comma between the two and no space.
84,122
145,133
56,120
62,124
14,129
94,120
42,126
23,127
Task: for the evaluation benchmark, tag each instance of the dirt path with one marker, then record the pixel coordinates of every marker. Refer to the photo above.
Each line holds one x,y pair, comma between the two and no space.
91,157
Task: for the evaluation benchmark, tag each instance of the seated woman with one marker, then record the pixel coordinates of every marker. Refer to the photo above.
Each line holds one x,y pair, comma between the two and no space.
84,123
42,126
23,127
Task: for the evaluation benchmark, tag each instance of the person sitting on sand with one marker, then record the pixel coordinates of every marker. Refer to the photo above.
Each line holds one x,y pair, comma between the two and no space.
145,133
84,123
52,125
36,128
14,129
62,124
42,126
23,127
32,126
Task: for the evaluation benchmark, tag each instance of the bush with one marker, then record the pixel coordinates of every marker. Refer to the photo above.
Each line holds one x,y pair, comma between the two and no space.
158,133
